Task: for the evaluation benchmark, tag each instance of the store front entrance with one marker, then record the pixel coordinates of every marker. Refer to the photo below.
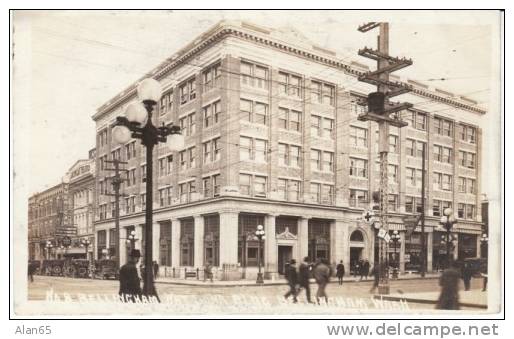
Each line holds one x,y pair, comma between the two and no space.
285,253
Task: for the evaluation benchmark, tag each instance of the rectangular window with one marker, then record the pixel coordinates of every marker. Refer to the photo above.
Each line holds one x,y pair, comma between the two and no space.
419,149
393,143
468,134
447,155
315,125
358,136
143,173
328,128
216,184
245,148
289,84
358,198
294,190
409,146
294,156
260,113
470,212
409,204
283,155
438,153
358,167
462,185
294,120
471,186
289,119
206,152
316,90
211,77
206,183
183,160
421,121
460,210
410,175
327,195
187,91
392,203
315,159
260,150
245,107
192,157
393,173
255,112
254,75
142,198
282,188
447,182
259,186
244,184
166,102
328,161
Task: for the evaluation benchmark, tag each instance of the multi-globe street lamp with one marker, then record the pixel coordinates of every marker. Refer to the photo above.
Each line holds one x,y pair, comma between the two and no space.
395,238
131,239
137,123
260,234
86,243
447,221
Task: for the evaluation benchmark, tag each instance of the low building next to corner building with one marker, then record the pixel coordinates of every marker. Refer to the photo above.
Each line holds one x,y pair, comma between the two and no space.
272,139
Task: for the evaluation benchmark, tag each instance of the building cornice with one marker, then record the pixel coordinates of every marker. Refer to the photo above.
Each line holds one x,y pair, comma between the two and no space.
223,30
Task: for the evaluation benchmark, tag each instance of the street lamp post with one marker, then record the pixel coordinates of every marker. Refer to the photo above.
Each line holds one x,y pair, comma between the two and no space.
395,238
137,123
484,240
48,247
131,239
260,234
447,221
86,243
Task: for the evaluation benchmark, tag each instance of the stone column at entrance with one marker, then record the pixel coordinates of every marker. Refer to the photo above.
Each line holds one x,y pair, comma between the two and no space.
303,237
337,241
228,238
175,243
198,241
156,235
430,249
270,248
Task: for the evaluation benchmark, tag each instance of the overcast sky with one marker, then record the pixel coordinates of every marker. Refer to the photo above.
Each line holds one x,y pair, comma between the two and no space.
67,64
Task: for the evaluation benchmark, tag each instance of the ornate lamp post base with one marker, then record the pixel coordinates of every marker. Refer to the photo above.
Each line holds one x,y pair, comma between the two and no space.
260,278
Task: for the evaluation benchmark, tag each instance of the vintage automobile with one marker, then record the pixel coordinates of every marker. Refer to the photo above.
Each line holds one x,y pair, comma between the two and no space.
81,268
105,269
53,267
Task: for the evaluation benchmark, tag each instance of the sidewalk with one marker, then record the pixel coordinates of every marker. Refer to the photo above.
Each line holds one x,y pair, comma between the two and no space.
277,282
473,298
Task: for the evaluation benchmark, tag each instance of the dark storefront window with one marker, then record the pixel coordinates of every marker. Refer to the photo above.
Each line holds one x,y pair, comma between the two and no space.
112,243
319,239
165,244
413,251
211,239
467,246
248,243
187,240
101,243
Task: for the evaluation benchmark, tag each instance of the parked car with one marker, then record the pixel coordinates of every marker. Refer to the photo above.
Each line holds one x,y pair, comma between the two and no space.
106,269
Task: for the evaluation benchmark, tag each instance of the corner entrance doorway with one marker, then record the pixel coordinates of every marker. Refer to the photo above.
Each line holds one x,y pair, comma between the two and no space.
285,253
355,256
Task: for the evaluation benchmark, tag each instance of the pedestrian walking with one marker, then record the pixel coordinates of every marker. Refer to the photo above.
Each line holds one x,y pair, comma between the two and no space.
130,283
340,272
207,272
155,269
467,273
292,280
362,272
449,282
303,278
366,268
356,269
321,273
375,272
30,271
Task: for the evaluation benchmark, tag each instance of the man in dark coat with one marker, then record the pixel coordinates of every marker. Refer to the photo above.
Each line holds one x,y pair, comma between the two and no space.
130,283
155,269
292,280
467,273
449,282
321,273
340,272
375,272
365,266
303,278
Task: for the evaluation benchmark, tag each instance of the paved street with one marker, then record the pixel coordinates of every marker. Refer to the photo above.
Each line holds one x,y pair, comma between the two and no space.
351,297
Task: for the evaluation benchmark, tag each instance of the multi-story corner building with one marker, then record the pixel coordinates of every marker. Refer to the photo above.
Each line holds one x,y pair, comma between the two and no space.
272,139
46,214
81,187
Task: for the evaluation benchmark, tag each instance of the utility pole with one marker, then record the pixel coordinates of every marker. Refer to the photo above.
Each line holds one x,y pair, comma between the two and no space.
117,180
423,267
379,109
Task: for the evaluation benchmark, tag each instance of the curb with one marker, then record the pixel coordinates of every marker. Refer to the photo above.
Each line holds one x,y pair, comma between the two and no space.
424,301
202,284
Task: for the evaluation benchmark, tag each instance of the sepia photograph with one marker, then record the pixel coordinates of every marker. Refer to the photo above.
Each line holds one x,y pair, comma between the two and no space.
256,163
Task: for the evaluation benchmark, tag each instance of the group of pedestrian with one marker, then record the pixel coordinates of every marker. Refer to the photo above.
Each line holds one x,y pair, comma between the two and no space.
361,269
300,279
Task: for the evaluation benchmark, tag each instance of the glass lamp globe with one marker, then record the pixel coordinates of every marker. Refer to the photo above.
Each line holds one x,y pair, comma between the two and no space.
260,227
448,211
443,220
136,112
121,134
149,90
175,142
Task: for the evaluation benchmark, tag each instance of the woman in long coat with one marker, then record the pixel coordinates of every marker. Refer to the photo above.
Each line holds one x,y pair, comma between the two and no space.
449,282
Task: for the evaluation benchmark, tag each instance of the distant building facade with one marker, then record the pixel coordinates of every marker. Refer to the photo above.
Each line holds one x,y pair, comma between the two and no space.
47,210
272,139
